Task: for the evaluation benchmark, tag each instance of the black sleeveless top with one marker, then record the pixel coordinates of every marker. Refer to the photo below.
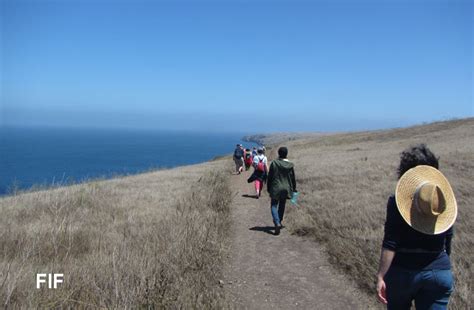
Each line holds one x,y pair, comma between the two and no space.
415,250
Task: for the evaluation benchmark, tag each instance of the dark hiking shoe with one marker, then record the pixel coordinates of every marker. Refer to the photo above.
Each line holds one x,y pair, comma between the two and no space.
277,230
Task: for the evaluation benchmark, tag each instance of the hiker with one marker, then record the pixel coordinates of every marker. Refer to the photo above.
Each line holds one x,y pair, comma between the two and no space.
248,159
239,158
281,186
415,264
259,175
254,152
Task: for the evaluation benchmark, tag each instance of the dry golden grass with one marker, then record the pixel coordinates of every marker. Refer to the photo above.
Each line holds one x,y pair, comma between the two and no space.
157,239
152,240
345,181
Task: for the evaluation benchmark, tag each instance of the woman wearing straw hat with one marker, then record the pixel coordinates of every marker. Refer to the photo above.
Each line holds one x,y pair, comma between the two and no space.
415,264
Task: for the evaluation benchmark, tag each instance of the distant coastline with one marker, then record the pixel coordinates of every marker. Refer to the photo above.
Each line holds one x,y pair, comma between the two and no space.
259,138
43,157
281,137
276,138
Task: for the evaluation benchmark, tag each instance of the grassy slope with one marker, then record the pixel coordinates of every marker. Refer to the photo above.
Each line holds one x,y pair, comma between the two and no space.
345,181
130,241
151,239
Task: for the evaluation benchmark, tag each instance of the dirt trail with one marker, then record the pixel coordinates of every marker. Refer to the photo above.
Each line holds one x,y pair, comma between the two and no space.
279,272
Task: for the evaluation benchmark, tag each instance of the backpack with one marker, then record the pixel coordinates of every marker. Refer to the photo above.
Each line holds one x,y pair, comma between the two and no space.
261,165
238,153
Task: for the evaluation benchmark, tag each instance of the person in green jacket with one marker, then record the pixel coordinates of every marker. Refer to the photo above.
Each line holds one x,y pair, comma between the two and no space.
281,184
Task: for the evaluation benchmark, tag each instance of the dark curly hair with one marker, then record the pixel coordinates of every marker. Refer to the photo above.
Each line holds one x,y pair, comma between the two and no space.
416,155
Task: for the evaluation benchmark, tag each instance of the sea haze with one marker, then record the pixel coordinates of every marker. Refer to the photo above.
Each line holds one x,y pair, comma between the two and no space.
47,156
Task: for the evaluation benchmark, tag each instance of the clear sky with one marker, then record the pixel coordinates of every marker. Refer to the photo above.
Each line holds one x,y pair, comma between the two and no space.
254,66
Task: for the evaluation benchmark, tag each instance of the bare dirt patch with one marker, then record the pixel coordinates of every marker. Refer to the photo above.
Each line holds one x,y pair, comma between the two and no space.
279,272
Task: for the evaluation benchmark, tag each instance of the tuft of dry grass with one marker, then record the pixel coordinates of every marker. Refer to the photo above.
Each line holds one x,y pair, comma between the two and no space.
345,181
154,240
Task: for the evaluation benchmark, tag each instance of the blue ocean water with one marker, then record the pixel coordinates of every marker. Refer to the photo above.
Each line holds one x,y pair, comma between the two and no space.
47,156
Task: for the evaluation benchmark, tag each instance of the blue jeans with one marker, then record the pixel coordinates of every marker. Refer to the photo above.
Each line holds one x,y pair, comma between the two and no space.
429,288
278,210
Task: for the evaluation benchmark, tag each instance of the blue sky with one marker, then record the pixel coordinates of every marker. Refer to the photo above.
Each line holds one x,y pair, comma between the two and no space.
254,66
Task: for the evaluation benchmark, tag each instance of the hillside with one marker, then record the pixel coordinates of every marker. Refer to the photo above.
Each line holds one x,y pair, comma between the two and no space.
191,237
285,137
281,137
150,240
345,181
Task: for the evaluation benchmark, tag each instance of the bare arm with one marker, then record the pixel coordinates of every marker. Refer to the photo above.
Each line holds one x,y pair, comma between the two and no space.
386,259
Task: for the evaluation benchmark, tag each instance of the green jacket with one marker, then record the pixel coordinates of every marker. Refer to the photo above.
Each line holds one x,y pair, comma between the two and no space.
281,179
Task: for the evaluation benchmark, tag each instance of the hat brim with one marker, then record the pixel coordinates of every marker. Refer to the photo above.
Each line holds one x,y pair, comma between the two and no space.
405,192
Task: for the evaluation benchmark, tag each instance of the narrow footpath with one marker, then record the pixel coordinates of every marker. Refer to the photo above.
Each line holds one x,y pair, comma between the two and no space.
265,271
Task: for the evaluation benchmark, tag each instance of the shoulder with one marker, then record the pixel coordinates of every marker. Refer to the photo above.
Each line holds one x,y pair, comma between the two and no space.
393,215
391,201
450,231
274,164
292,165
391,204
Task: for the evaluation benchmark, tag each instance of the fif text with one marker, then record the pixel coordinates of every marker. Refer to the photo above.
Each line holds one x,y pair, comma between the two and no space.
51,279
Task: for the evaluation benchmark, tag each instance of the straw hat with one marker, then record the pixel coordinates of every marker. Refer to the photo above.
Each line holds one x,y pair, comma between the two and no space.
426,200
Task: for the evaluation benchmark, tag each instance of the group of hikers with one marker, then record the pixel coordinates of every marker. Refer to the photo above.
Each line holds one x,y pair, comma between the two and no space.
279,177
415,260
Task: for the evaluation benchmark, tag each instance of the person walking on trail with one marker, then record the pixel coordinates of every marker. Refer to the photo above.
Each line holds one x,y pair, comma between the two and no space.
254,152
281,186
239,158
248,159
259,175
415,263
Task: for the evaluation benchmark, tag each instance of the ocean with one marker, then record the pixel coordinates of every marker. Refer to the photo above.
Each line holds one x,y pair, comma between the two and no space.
50,156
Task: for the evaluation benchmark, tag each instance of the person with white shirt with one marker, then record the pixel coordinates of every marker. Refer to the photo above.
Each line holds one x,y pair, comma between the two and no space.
259,175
